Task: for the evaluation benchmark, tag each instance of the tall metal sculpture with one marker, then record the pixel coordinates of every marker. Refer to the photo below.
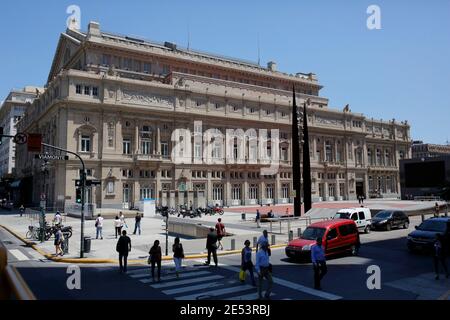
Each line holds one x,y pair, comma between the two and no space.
296,158
307,197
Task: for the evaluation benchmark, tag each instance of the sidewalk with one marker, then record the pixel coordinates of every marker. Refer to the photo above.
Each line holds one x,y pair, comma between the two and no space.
153,228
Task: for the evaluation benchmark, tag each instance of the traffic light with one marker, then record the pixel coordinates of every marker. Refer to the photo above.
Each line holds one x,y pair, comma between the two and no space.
78,195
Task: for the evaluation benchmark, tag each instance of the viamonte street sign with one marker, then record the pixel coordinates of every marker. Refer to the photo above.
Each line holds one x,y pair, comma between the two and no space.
46,156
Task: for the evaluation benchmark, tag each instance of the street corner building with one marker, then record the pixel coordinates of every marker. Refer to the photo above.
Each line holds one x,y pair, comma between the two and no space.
154,120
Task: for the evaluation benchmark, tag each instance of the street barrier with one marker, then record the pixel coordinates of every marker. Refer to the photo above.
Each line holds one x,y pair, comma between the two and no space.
273,240
233,244
299,232
291,235
255,242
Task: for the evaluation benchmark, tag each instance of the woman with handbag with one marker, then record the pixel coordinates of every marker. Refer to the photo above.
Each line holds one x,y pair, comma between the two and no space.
246,263
178,255
155,259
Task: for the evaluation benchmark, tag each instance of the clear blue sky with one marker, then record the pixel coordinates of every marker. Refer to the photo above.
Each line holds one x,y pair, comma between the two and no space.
401,71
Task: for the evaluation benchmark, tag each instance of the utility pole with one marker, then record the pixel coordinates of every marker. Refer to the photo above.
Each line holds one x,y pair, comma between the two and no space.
167,234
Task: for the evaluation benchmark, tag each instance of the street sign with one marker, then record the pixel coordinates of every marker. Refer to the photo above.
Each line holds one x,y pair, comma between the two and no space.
46,156
89,183
20,138
34,142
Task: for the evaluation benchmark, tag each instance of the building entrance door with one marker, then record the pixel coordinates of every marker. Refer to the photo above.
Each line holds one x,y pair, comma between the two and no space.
360,188
126,201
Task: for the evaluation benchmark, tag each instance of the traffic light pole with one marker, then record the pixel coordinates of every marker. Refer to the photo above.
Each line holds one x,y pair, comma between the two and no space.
83,186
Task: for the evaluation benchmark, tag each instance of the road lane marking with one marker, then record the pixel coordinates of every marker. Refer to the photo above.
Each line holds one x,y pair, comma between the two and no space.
18,255
181,282
292,285
192,288
216,293
182,276
251,296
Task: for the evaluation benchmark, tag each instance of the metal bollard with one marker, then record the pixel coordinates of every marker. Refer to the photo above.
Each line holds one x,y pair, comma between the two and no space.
423,217
233,244
243,216
255,242
273,240
299,232
291,235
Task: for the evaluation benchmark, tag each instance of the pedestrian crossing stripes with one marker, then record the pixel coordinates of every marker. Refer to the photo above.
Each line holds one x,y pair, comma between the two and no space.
196,283
171,277
216,293
18,255
188,281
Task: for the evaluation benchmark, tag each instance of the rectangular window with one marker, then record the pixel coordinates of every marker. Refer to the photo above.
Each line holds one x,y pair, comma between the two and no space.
85,143
106,60
126,146
127,64
146,147
198,150
165,149
87,90
95,91
147,67
110,187
78,89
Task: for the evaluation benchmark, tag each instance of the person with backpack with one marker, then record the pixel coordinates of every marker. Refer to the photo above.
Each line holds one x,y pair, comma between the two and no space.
220,229
155,259
123,247
137,223
246,262
178,255
99,226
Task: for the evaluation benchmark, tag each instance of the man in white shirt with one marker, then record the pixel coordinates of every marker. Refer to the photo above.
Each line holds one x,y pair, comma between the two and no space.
263,240
58,219
99,226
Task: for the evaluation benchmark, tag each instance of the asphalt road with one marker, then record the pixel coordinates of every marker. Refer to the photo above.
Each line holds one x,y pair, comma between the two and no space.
403,276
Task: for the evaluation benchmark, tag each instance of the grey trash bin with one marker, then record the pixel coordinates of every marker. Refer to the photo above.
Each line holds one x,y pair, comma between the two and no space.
87,244
65,245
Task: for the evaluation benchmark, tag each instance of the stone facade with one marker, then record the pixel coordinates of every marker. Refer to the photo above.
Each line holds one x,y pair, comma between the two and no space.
117,101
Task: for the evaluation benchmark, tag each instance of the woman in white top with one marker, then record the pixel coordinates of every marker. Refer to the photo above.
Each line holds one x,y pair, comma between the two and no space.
122,219
118,226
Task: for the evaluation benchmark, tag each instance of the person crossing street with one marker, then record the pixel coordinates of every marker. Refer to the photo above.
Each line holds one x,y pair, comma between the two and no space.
211,246
246,261
123,247
319,263
137,223
263,268
220,229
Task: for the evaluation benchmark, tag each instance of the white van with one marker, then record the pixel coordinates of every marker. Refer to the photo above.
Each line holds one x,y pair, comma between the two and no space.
361,216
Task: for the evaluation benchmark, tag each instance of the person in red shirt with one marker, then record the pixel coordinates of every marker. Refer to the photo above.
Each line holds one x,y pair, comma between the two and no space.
220,229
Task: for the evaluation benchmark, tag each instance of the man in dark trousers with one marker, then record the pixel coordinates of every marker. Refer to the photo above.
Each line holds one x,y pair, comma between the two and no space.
123,247
211,245
319,263
137,223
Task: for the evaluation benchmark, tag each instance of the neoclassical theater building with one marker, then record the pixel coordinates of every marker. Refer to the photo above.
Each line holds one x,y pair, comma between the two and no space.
118,101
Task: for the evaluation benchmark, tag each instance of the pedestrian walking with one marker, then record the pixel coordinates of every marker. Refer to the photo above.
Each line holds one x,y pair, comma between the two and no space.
155,259
21,210
436,210
123,247
246,262
211,246
137,223
220,229
117,226
319,263
362,199
439,256
59,238
263,268
178,255
122,219
99,226
57,220
258,218
263,240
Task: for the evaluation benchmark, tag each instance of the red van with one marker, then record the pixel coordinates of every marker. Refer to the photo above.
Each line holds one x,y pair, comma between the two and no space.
338,236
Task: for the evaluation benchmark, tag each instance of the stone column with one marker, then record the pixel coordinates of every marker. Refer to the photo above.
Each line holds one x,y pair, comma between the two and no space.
277,192
337,190
314,141
325,191
158,140
136,138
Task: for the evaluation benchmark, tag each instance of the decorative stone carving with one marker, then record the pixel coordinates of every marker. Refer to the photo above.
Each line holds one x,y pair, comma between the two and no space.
147,99
329,121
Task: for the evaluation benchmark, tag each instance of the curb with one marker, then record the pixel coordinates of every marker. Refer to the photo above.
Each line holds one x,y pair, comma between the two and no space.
111,261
